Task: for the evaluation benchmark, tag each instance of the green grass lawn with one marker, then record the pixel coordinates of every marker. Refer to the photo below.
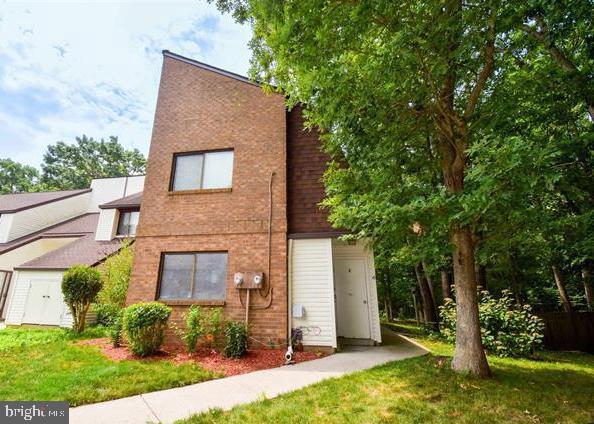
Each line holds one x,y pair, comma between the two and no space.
556,388
48,365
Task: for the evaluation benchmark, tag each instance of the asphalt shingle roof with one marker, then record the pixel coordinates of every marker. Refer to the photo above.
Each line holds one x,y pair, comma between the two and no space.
84,251
131,201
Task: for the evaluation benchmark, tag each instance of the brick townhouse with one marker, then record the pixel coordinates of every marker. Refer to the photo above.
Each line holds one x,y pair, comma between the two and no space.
230,215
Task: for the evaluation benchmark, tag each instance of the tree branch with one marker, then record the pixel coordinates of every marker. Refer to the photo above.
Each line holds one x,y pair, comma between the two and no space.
487,68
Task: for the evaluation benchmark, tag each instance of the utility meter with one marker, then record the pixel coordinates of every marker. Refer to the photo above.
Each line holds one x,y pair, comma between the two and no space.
258,279
238,279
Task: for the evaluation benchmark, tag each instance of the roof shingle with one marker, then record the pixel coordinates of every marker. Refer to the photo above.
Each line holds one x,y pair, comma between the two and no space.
131,201
84,251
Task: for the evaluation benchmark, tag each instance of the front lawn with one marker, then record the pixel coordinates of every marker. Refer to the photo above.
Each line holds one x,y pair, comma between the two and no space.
557,388
49,365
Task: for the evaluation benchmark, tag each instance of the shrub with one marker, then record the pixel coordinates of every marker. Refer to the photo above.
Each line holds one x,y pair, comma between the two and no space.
236,339
201,323
80,286
115,275
106,313
144,325
507,329
114,330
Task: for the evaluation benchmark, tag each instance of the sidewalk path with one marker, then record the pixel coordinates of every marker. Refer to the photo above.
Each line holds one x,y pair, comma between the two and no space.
166,406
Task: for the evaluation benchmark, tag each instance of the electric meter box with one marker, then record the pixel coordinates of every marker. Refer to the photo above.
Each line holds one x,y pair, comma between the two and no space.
248,280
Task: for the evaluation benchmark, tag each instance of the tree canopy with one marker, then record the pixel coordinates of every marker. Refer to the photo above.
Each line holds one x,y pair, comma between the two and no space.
461,132
72,166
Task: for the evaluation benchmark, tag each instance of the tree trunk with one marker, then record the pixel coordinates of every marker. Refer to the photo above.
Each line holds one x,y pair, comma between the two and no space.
426,299
587,280
481,276
445,284
562,290
429,280
469,355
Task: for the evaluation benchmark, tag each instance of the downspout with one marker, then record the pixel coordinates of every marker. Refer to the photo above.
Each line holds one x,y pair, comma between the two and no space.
289,292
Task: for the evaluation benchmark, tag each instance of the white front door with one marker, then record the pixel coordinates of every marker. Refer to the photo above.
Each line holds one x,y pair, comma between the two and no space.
352,309
44,303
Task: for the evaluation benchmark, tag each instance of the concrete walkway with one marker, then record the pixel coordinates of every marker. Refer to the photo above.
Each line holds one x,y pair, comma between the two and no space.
166,406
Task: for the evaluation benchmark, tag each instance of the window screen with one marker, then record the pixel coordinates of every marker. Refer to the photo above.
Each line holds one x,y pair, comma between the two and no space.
203,170
128,223
196,276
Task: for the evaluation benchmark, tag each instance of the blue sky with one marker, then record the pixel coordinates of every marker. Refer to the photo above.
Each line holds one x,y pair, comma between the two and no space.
92,67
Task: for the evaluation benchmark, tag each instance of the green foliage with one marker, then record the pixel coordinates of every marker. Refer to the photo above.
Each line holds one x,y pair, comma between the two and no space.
17,178
115,275
144,325
507,329
114,330
201,323
80,286
236,339
73,166
376,78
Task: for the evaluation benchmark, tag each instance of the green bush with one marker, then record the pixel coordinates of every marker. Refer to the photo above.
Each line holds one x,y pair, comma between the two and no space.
201,323
80,286
106,313
144,325
236,339
114,330
115,275
507,329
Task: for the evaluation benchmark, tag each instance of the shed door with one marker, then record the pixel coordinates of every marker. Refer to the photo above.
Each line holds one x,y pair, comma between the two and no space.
44,303
352,309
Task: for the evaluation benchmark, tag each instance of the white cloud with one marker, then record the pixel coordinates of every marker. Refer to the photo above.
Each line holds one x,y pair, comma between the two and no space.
87,67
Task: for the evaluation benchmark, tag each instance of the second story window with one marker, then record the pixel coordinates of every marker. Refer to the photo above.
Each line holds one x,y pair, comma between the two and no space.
128,223
192,171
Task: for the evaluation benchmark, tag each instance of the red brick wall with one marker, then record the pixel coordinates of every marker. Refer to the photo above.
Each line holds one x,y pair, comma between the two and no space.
306,164
201,110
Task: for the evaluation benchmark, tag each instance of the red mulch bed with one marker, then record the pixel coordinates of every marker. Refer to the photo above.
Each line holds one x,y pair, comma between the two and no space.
209,359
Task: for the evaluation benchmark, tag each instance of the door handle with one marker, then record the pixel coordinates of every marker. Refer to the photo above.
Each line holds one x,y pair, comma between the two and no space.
365,302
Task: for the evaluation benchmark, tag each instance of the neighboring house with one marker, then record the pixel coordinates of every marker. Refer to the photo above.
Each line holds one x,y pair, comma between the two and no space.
43,234
232,192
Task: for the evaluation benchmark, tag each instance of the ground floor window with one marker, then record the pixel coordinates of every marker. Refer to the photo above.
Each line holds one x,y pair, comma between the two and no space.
196,276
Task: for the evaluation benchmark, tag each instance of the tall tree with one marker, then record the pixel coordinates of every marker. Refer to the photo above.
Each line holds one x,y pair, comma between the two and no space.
16,178
73,166
402,90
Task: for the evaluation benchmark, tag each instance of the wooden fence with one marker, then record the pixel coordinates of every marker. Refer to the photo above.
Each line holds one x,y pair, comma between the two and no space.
564,331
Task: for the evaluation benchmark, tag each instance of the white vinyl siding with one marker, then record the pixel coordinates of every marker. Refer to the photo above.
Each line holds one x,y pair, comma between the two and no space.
30,220
108,189
106,226
312,286
22,288
23,281
343,250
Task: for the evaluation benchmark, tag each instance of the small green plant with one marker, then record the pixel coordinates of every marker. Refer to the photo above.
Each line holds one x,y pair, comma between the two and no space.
236,339
106,313
80,286
144,326
201,323
114,331
507,329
